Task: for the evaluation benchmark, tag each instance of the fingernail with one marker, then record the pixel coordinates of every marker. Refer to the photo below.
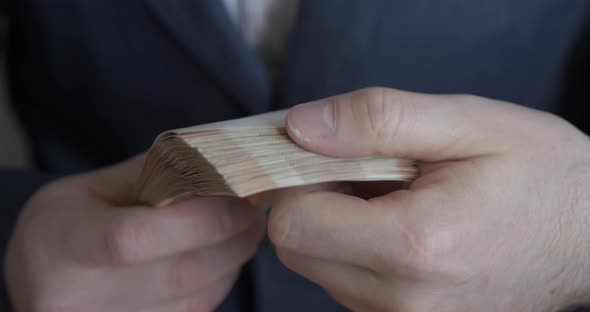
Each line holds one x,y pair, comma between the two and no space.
311,120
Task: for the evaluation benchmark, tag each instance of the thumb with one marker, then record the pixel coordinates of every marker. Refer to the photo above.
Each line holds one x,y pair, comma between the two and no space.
387,122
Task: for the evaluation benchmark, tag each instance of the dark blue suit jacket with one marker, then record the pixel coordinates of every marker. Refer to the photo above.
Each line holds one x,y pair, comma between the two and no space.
94,82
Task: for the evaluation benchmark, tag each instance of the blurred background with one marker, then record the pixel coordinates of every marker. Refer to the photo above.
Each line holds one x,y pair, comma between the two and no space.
13,148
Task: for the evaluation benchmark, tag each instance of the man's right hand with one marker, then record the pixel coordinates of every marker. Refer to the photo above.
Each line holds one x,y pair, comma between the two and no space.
83,244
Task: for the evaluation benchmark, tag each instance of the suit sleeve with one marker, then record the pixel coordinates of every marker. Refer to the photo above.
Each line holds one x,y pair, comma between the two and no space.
16,186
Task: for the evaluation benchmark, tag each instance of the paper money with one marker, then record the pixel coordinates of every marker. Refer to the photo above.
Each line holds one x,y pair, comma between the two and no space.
248,156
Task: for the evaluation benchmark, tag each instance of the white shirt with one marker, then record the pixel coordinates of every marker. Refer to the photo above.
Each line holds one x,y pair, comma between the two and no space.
265,26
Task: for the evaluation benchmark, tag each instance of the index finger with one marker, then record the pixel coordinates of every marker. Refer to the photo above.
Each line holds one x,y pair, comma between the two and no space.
130,235
338,227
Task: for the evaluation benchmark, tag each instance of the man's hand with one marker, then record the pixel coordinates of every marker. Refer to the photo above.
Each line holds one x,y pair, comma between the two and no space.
82,244
498,221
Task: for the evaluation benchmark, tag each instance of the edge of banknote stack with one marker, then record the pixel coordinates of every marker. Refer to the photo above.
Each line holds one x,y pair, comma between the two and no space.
250,156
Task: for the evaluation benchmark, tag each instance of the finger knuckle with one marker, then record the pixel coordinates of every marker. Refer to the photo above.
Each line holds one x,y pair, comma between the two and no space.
280,226
385,113
377,112
276,227
125,243
430,252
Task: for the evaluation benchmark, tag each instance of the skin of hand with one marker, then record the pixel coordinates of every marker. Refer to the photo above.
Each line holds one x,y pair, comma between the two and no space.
83,244
499,219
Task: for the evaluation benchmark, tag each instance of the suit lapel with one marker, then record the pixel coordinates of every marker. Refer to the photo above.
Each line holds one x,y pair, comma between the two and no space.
206,32
328,49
